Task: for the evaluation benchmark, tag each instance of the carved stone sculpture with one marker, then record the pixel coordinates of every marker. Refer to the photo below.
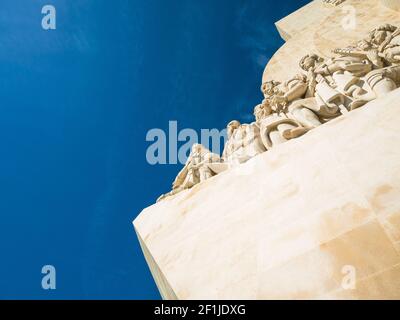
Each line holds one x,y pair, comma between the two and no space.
295,99
333,2
327,88
196,170
275,128
314,218
386,39
337,80
381,48
243,143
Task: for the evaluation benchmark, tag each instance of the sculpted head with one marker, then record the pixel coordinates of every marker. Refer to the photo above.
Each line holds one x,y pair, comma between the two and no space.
232,126
262,110
197,148
387,27
310,61
269,88
379,35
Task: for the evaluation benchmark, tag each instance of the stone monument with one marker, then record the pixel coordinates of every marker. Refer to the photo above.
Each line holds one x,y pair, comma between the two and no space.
304,202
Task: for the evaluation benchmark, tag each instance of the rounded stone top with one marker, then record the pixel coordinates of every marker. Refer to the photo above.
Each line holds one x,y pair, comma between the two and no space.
318,29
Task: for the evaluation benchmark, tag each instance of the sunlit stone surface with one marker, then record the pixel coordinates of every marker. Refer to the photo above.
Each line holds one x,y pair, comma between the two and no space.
318,28
392,4
284,224
292,221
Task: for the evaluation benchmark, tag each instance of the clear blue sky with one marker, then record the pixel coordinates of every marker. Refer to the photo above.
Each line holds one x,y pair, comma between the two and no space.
75,106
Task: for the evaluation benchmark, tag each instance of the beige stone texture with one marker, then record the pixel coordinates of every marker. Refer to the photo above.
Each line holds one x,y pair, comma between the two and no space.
292,24
392,4
318,28
284,224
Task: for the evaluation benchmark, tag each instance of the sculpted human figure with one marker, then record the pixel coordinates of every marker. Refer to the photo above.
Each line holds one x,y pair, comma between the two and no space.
243,143
382,81
337,81
386,40
276,128
381,48
196,170
358,74
294,97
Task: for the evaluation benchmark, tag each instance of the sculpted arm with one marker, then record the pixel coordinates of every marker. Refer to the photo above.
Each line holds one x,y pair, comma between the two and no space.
350,66
212,157
327,70
296,92
180,178
182,174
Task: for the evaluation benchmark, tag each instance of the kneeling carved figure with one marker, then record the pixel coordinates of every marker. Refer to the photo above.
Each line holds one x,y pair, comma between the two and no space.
197,169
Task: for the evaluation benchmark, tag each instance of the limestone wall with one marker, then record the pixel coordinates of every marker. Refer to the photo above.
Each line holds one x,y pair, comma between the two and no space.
286,223
292,221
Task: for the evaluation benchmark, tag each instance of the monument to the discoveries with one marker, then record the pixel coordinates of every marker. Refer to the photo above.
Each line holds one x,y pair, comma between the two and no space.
304,203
